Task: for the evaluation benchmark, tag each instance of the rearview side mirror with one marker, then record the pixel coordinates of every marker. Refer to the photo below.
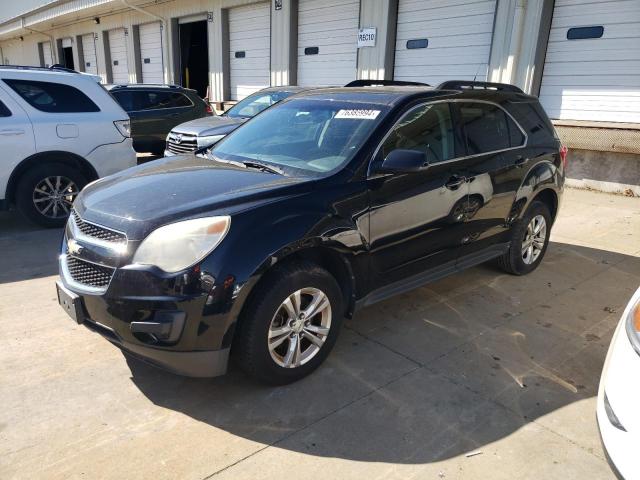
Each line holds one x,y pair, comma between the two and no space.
404,161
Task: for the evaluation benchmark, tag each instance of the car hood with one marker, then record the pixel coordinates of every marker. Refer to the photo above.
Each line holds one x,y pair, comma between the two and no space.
140,199
205,126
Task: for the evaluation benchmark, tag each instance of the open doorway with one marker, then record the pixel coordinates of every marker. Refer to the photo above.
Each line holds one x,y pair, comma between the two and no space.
194,56
67,58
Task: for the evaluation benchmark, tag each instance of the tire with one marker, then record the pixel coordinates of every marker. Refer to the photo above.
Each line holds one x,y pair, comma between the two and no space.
265,314
515,260
32,202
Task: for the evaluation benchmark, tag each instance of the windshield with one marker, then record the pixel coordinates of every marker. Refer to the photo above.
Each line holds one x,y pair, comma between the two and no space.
315,136
254,104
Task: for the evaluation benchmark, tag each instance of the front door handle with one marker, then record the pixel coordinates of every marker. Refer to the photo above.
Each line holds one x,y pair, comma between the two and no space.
7,132
454,182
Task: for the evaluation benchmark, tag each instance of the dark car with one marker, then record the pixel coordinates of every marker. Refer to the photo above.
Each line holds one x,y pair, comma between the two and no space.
329,201
155,109
205,132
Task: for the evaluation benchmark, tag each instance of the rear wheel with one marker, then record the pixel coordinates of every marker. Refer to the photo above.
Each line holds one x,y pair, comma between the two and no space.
45,194
529,241
290,324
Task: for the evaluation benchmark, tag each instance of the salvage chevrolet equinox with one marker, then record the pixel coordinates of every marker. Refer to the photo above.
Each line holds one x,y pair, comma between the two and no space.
332,200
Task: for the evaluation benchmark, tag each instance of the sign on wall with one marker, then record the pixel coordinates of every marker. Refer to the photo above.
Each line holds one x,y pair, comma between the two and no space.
367,37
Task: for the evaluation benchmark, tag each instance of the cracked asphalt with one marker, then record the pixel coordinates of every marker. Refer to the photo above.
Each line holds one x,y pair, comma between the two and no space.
479,375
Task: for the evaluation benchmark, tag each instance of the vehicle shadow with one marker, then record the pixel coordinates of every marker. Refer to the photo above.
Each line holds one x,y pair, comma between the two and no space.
436,372
28,251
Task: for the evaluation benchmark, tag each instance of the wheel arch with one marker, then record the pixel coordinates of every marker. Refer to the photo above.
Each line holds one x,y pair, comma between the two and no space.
41,158
331,259
544,183
549,197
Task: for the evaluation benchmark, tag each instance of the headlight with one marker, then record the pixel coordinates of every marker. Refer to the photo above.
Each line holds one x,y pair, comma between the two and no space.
633,326
209,140
181,245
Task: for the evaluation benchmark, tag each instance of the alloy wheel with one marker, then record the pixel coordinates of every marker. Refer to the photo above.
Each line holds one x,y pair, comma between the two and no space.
534,238
54,196
299,327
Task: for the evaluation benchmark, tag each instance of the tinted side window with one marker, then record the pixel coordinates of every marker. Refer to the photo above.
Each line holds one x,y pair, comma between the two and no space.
150,100
153,100
485,127
4,111
52,97
126,100
534,121
180,100
427,128
516,137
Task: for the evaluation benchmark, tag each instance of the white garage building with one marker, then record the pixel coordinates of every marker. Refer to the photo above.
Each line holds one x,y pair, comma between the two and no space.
582,57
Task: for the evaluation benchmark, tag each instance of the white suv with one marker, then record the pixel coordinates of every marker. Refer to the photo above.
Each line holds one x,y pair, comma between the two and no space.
59,130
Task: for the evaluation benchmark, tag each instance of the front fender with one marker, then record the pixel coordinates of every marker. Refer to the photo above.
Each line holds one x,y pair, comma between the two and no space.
254,246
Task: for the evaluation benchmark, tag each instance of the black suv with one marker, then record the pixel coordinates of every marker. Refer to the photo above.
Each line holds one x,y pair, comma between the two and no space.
155,109
331,200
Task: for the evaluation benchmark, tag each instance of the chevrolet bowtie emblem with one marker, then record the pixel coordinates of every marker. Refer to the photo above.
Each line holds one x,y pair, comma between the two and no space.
74,247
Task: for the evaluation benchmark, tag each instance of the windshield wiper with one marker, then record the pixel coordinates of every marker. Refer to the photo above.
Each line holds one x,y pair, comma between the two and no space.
264,167
249,164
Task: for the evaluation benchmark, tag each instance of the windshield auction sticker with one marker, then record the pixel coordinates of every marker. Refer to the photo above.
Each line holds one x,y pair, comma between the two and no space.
358,114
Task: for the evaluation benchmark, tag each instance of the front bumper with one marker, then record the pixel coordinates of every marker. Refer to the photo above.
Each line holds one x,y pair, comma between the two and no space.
206,363
620,389
181,322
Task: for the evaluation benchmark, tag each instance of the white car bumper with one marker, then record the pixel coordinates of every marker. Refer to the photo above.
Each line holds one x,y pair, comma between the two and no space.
113,157
620,384
168,153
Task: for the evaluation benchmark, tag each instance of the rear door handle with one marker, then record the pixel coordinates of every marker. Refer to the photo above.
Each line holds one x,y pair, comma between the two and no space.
454,182
520,160
8,132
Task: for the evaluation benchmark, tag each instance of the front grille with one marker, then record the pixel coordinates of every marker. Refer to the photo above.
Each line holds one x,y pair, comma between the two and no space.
95,231
180,143
88,273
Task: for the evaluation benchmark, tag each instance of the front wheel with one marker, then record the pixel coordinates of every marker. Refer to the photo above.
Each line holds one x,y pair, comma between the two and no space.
529,241
290,324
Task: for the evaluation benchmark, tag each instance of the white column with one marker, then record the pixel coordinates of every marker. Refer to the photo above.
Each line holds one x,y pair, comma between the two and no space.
216,74
515,39
284,43
377,62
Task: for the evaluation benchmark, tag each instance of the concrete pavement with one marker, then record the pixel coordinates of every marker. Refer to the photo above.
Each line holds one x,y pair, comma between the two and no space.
505,368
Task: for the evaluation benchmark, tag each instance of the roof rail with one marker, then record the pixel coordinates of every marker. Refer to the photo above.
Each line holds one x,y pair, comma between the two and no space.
57,68
144,85
62,68
385,83
472,85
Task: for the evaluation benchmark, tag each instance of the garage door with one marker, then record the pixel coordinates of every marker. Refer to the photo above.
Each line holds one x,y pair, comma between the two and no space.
438,40
46,54
249,49
118,49
89,53
592,67
327,41
151,53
